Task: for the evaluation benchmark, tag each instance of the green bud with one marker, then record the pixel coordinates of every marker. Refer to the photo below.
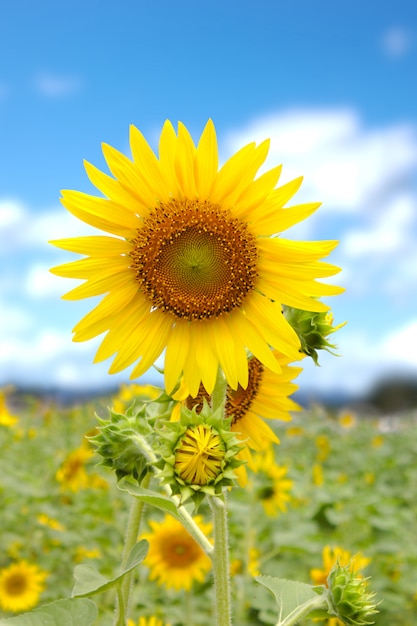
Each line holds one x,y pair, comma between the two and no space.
349,597
313,329
122,442
198,454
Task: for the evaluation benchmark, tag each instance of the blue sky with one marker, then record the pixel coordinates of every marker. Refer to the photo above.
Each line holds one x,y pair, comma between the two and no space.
332,83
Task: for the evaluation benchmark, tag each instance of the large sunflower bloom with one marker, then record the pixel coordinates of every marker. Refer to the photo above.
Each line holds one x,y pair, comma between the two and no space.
20,586
192,265
175,559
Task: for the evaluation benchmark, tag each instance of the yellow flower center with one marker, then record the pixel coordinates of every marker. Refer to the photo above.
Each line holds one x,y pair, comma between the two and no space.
16,584
180,550
199,455
194,260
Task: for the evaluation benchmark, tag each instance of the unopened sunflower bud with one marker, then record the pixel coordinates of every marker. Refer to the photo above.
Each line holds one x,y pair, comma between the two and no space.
313,329
122,443
349,596
198,454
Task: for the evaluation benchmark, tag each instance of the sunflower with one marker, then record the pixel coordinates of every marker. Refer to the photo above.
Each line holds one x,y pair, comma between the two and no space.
147,621
335,554
174,558
192,265
128,394
20,586
274,491
265,396
6,418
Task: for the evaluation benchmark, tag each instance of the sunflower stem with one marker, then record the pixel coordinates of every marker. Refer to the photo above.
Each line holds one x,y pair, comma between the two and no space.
132,531
221,567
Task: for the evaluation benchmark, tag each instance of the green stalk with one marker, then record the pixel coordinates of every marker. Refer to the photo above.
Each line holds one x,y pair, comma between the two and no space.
221,567
220,556
131,537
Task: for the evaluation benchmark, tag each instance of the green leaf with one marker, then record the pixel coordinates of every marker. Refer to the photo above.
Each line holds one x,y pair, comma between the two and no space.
153,498
68,612
294,600
88,581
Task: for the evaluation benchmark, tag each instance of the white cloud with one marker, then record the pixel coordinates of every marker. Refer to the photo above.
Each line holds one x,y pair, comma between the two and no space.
346,166
40,283
390,233
55,85
396,42
21,227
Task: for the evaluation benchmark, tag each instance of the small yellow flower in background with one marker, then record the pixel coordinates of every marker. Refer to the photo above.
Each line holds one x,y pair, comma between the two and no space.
50,522
174,558
237,566
82,553
347,419
318,477
323,447
147,621
128,393
294,431
377,441
275,491
194,264
20,586
6,418
336,554
73,476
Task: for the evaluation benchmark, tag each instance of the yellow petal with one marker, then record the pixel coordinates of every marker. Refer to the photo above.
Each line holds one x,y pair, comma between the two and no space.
101,284
99,246
113,303
274,220
176,354
184,162
148,164
206,161
167,151
119,333
86,268
250,336
237,173
146,342
272,325
101,213
130,177
256,193
112,188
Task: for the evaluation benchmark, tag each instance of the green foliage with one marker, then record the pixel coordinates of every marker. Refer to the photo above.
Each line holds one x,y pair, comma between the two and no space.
88,581
354,488
69,612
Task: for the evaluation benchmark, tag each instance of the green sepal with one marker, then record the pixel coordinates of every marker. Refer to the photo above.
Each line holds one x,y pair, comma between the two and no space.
313,329
122,442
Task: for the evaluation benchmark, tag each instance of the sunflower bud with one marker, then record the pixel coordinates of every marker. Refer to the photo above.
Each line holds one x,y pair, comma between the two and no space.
312,329
349,596
198,454
122,442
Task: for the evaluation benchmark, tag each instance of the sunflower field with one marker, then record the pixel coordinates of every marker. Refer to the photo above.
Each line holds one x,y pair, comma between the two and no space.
338,484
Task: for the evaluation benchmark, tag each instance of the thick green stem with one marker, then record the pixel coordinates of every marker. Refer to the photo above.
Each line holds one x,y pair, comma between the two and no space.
131,537
221,567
